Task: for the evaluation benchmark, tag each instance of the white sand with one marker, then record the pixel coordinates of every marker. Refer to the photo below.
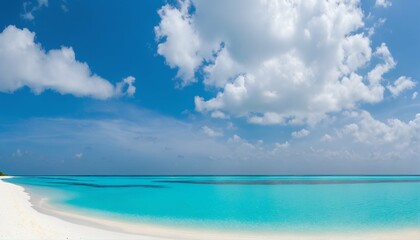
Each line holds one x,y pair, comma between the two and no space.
19,220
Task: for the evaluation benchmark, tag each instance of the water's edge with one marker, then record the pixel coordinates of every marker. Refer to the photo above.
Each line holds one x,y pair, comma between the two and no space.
79,217
42,203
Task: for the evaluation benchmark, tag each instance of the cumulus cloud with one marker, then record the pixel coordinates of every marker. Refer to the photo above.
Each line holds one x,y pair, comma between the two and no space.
376,74
180,41
78,155
211,132
126,87
383,3
394,131
301,133
29,8
401,84
414,96
23,62
274,62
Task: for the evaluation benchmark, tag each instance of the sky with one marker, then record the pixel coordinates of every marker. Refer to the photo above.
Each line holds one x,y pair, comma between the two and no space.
195,87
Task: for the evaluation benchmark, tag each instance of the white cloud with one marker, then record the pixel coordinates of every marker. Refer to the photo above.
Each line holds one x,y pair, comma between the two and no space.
376,74
242,143
377,24
29,8
280,146
219,114
326,138
211,132
267,118
181,42
132,143
274,62
235,138
78,155
401,84
394,131
126,87
301,133
414,96
25,63
383,3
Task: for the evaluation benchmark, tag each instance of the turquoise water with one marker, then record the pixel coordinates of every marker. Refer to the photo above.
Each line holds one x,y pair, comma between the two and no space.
257,203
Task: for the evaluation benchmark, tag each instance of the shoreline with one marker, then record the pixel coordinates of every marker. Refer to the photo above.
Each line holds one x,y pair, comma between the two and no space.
19,220
33,218
41,204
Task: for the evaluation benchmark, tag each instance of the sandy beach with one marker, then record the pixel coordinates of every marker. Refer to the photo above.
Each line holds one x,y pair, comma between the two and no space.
19,220
30,217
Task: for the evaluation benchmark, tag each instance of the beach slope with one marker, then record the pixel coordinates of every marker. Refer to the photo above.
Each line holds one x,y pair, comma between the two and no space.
18,220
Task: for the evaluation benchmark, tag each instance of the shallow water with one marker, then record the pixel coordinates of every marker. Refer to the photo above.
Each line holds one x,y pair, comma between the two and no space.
269,203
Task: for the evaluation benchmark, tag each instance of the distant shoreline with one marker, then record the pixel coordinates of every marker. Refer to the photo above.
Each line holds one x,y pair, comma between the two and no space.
26,215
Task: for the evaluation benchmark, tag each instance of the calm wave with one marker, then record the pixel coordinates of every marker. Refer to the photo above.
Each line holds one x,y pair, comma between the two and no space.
274,203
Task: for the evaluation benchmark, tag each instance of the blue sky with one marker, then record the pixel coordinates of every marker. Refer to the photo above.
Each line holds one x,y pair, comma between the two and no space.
196,87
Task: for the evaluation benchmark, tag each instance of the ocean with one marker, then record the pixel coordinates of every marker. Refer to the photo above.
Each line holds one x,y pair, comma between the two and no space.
251,203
